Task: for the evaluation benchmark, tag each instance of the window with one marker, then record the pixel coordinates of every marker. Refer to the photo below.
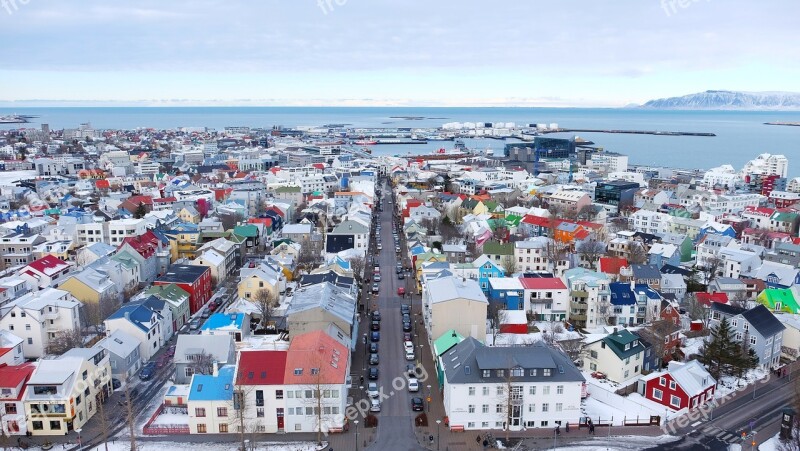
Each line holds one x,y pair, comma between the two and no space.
672,385
674,401
658,394
485,391
559,389
501,373
55,425
662,381
223,428
472,391
532,390
199,412
533,372
752,339
486,373
260,412
260,397
37,425
222,411
518,372
546,372
471,408
546,390
498,408
499,390
11,408
559,407
485,408
545,407
531,407
485,425
201,428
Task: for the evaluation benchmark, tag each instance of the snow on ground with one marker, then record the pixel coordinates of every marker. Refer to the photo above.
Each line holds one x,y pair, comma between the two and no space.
10,177
192,446
773,444
533,337
170,416
692,345
729,384
627,442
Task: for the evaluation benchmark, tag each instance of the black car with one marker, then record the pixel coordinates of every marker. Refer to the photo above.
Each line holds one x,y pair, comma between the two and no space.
406,326
406,318
373,374
411,370
147,371
398,270
416,404
376,315
376,325
375,336
401,276
373,347
373,359
115,383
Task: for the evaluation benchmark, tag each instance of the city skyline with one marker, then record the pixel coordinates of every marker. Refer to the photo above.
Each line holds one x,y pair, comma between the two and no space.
350,53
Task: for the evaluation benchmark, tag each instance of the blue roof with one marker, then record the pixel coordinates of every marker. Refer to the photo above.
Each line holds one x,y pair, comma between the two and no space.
344,264
621,293
416,250
210,388
135,313
644,288
224,320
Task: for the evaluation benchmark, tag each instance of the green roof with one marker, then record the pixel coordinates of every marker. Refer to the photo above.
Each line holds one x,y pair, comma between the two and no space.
495,248
771,297
490,205
447,341
169,292
247,230
513,220
287,189
784,217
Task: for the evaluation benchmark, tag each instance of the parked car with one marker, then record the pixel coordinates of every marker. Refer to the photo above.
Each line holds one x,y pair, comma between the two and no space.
398,269
411,370
413,384
194,325
205,314
410,354
376,315
373,359
406,318
376,278
375,336
146,372
376,287
407,344
405,309
401,276
380,247
406,336
115,383
373,347
376,325
373,374
400,290
416,404
375,405
372,390
406,326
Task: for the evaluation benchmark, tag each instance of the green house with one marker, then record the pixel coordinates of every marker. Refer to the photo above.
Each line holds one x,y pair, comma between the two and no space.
779,300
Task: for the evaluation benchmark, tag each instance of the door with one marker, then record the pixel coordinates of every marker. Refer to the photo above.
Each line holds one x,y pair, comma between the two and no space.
279,413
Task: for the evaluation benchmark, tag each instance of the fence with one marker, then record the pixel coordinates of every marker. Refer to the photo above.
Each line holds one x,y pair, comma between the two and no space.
632,409
163,429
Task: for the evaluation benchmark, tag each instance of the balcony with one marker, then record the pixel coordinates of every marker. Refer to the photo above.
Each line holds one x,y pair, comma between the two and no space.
579,294
516,401
541,300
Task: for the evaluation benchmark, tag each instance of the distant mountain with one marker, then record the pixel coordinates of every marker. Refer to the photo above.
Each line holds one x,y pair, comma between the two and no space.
729,100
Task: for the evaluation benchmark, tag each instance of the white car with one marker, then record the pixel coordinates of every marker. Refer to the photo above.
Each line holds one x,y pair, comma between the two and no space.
410,354
413,384
372,390
375,405
408,346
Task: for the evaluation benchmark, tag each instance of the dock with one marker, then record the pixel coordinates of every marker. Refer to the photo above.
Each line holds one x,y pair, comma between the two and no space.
627,132
785,124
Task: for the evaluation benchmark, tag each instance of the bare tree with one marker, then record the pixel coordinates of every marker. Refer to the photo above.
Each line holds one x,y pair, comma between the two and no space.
619,224
637,254
358,264
572,347
695,309
100,399
587,213
497,316
241,392
202,363
65,340
509,265
430,225
591,250
711,268
307,257
265,303
509,396
739,300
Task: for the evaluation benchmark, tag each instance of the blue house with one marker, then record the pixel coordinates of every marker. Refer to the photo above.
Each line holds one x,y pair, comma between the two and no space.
623,304
661,254
486,270
506,291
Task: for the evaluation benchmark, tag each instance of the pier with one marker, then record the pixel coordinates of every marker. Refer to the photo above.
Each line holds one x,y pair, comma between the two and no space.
627,132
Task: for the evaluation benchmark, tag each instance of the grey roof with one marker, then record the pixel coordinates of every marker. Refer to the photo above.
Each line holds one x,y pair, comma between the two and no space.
763,321
450,288
119,343
465,362
218,346
646,272
325,296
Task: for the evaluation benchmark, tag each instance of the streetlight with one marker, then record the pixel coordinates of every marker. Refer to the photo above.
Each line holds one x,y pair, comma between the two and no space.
80,444
246,444
430,398
438,433
356,422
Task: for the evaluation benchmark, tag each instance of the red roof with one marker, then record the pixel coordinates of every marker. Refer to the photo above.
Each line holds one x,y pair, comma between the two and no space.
319,165
707,298
540,221
542,283
164,200
147,200
145,244
316,350
48,265
582,234
102,184
612,265
261,367
13,376
266,221
762,210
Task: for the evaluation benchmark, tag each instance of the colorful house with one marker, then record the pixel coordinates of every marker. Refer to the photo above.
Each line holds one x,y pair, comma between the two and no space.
779,300
682,386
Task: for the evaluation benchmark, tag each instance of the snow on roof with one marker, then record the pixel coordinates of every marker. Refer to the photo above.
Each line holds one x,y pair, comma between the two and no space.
450,288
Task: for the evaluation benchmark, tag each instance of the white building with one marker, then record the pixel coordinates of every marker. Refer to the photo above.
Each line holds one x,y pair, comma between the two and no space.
499,387
38,317
119,229
766,164
724,175
650,221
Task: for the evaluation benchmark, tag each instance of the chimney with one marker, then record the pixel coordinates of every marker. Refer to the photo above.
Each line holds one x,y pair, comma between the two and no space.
615,332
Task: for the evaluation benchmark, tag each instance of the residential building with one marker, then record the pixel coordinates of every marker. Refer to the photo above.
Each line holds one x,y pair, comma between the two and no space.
194,352
123,354
210,402
39,317
619,355
590,298
757,328
454,303
681,386
314,307
547,298
516,388
193,279
13,382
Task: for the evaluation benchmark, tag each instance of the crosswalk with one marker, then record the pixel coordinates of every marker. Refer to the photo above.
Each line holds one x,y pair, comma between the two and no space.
723,435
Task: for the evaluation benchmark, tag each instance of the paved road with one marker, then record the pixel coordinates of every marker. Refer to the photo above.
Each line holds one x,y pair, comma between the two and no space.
396,418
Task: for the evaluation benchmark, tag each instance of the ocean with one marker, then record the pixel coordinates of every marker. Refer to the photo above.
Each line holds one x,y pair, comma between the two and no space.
741,135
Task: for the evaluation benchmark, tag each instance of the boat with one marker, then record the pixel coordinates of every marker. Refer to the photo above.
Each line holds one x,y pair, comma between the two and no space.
365,142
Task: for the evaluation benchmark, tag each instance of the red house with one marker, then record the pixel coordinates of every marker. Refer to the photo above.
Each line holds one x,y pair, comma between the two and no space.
194,279
707,298
514,322
681,386
670,312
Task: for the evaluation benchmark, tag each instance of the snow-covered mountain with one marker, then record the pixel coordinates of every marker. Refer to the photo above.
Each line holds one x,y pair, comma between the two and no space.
729,100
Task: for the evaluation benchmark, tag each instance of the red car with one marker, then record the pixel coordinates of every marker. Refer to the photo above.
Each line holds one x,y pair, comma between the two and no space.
401,291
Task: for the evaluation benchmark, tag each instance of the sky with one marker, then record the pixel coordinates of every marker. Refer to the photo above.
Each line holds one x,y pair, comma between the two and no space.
390,52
